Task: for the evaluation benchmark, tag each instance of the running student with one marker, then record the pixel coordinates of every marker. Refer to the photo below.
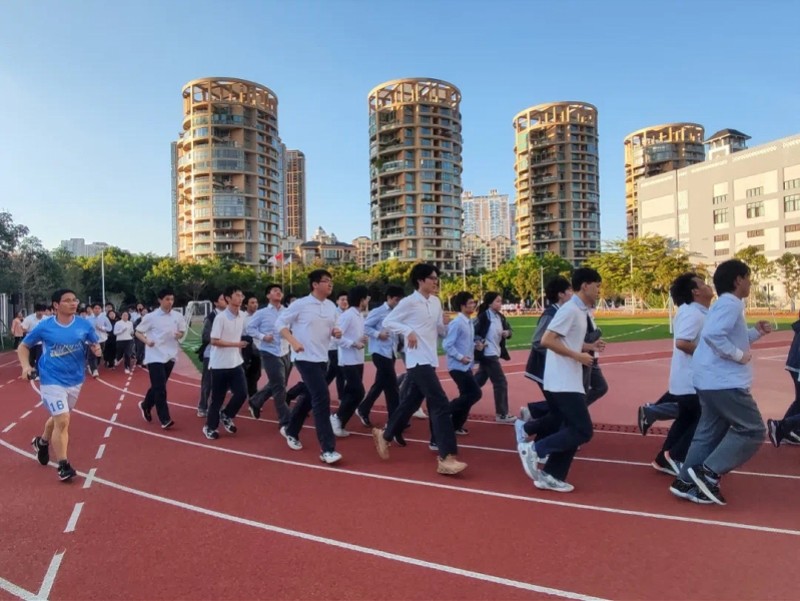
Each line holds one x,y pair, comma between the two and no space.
788,428
730,430
564,386
492,330
61,369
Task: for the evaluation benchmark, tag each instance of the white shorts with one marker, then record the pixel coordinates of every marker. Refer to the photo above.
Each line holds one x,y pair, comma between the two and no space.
59,399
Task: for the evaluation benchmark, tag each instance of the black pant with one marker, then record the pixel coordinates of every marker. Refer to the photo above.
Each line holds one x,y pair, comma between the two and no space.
544,422
252,372
490,369
385,382
92,359
110,351
139,349
422,383
17,340
682,430
576,429
353,391
223,380
333,371
125,349
205,387
469,393
595,383
36,352
318,400
277,370
157,393
791,420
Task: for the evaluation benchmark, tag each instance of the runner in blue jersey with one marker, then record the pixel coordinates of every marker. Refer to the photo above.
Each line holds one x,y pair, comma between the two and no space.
61,371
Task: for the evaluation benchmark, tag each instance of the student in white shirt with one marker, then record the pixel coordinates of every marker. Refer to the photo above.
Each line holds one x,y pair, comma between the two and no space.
567,353
334,372
28,324
250,354
420,320
204,352
123,330
351,358
226,365
160,330
102,327
308,325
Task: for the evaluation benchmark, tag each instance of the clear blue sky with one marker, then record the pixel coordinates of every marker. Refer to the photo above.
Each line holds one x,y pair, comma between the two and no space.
90,91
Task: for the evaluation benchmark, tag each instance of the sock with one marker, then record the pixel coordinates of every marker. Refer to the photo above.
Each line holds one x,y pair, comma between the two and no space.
63,463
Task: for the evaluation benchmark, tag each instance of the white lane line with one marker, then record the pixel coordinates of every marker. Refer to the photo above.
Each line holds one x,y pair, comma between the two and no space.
118,407
100,450
26,414
108,432
113,418
9,426
125,389
73,519
337,543
451,487
17,591
121,397
39,404
89,478
10,381
50,576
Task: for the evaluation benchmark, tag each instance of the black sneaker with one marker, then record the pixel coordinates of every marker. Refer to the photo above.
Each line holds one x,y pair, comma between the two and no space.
42,450
793,438
774,432
209,433
145,412
254,411
167,424
227,423
642,421
707,483
66,471
663,464
364,419
401,442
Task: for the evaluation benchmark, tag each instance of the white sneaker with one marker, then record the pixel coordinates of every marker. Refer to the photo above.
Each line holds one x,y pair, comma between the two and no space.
505,419
420,414
283,431
519,431
95,374
127,371
525,413
330,457
529,459
336,424
293,443
547,482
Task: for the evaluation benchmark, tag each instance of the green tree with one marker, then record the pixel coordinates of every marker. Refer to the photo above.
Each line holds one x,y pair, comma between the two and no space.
760,267
787,267
34,274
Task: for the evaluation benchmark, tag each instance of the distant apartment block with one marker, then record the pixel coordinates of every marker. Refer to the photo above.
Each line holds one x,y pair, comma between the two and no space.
655,150
415,171
325,249
747,197
488,216
363,252
294,214
486,255
79,248
228,172
557,180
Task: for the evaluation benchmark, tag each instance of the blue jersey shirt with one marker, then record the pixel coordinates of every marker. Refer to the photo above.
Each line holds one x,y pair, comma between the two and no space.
63,350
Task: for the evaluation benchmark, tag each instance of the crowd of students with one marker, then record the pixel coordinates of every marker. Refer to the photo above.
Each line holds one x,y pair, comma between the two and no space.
716,428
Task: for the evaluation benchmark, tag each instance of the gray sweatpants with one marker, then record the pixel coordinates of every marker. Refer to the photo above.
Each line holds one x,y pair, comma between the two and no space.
730,431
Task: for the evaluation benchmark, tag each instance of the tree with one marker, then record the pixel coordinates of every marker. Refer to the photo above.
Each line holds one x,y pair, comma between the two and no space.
33,272
10,236
760,267
788,270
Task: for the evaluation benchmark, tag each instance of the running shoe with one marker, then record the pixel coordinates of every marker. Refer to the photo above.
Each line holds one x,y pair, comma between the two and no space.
66,471
708,483
547,482
42,450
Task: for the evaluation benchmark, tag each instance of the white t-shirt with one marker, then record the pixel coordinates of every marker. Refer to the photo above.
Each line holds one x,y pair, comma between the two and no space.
563,374
30,322
688,323
228,328
161,328
123,330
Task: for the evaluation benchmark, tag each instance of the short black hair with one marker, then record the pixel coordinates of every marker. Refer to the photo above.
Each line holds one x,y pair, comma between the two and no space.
39,307
270,287
96,304
726,273
461,299
248,296
214,295
316,276
422,271
395,292
584,275
681,289
230,290
165,292
554,287
356,295
340,294
57,296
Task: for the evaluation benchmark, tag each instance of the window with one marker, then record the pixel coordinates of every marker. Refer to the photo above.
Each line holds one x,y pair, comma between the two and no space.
752,192
720,216
792,243
755,209
795,227
791,203
718,200
755,233
759,247
791,184
722,237
721,251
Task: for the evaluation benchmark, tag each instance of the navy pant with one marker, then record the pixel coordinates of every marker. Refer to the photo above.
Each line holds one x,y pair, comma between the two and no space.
576,429
317,400
223,380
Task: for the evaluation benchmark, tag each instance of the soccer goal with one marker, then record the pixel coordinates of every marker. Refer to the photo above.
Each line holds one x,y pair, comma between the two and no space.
194,314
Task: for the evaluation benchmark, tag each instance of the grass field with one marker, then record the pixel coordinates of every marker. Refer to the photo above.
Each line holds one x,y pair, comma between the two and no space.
615,329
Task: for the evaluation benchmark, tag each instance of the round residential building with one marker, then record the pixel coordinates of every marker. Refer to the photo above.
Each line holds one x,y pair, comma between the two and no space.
557,180
415,172
227,194
655,150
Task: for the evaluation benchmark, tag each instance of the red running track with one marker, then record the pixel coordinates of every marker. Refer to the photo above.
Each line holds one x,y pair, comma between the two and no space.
173,515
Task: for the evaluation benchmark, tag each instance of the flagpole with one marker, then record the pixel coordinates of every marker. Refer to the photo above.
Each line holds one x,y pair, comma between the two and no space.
103,275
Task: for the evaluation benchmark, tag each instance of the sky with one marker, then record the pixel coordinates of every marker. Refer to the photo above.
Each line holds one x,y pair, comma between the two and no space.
90,92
